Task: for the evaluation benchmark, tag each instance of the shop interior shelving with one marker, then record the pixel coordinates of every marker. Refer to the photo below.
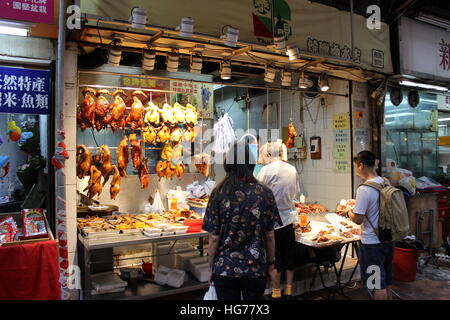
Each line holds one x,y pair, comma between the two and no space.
142,290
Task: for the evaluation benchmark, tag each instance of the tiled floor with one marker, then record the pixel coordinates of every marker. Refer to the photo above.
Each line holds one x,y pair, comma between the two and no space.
420,289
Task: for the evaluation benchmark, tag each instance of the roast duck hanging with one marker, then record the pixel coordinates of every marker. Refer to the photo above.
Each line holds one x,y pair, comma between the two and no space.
86,115
136,116
116,118
292,134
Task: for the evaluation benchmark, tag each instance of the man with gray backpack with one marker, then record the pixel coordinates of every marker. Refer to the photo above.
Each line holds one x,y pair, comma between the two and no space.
381,211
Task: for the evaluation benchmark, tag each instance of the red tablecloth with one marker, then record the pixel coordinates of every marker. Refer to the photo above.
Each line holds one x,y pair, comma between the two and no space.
30,272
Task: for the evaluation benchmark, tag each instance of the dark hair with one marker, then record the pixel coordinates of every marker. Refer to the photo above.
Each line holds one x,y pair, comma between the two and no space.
238,166
367,158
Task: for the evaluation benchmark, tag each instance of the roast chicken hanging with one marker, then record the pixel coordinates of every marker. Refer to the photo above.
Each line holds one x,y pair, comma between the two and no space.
115,183
86,115
179,170
144,176
123,156
136,116
149,134
94,186
102,109
292,134
152,116
84,161
136,152
103,161
116,118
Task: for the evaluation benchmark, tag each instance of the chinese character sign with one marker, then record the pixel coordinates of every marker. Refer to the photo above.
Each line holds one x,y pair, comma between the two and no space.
24,91
444,55
40,11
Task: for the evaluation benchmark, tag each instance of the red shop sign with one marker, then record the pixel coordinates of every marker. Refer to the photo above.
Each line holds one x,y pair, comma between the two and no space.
40,11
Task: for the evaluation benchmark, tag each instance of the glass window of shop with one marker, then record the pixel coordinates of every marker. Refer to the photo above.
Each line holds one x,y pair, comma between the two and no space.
443,175
411,133
25,135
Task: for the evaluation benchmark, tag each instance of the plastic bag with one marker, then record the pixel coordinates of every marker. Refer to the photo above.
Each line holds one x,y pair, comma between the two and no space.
210,294
409,183
157,206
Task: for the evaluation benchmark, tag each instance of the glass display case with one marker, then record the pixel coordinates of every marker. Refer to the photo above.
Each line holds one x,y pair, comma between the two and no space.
411,133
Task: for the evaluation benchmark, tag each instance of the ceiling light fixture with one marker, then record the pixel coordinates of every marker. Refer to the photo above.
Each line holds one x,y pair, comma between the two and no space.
196,64
148,60
292,52
423,85
138,18
186,27
231,37
269,75
14,28
323,82
304,82
286,78
435,21
115,50
172,62
225,70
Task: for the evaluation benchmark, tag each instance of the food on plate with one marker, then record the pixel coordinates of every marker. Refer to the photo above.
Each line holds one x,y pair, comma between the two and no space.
102,109
345,206
305,229
86,115
152,114
116,118
346,234
103,161
356,231
292,134
123,156
115,183
144,176
310,208
84,161
94,186
136,116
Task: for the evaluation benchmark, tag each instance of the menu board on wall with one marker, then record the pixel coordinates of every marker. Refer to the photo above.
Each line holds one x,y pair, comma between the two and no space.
200,95
341,143
158,97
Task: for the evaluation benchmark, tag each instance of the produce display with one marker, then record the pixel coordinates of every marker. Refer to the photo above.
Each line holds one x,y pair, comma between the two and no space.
310,208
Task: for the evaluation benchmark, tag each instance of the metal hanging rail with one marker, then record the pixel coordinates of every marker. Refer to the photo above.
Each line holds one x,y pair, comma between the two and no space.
252,86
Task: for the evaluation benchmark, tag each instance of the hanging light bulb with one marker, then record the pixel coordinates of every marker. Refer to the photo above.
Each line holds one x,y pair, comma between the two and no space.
148,60
225,70
186,27
115,51
304,82
196,64
269,75
292,52
279,42
323,82
172,62
286,78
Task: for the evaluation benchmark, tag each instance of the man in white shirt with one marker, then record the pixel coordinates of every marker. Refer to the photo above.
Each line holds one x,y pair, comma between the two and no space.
366,213
283,180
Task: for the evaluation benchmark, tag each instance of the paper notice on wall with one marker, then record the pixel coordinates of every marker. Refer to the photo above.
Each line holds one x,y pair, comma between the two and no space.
200,95
341,121
341,166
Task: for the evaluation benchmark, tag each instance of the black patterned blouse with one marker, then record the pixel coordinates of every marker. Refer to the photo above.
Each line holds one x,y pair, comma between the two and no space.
241,219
